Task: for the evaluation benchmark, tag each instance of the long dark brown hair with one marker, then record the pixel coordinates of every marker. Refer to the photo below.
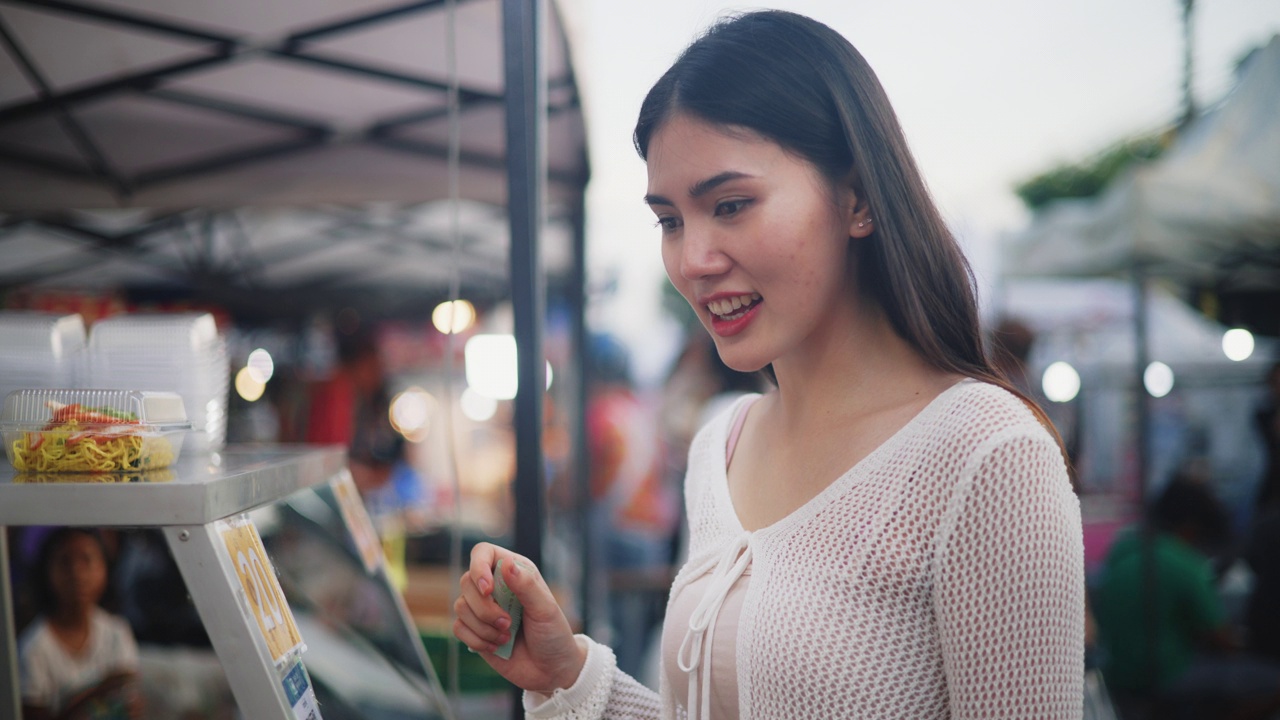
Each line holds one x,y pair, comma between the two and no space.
799,83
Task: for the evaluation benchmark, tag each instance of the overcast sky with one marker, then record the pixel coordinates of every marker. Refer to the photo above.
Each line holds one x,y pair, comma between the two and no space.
990,92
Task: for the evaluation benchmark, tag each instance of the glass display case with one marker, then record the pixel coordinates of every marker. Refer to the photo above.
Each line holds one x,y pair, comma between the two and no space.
282,564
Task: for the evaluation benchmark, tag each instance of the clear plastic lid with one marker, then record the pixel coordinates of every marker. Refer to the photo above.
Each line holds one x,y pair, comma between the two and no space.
170,331
143,409
41,334
94,431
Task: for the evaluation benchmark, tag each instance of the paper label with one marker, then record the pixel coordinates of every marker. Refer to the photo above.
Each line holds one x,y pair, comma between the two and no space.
297,689
262,591
358,523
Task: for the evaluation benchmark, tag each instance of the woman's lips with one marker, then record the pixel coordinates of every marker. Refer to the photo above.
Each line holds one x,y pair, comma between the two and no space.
730,315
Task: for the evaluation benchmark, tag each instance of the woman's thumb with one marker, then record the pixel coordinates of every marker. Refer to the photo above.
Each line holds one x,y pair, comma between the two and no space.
524,581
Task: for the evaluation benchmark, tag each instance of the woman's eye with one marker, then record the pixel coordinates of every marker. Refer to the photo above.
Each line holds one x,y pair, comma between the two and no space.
667,224
731,207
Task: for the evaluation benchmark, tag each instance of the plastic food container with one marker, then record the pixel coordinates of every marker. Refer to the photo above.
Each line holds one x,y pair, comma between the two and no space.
92,431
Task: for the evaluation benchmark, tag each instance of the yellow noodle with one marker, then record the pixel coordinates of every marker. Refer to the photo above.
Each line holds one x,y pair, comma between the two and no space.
119,453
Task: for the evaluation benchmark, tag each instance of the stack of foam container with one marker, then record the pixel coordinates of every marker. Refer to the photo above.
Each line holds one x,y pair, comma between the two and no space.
40,350
177,352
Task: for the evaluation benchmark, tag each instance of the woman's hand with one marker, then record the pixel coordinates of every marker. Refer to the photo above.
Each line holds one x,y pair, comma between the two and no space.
546,655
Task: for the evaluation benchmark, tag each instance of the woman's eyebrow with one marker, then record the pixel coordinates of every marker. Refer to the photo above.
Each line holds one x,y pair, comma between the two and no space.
702,187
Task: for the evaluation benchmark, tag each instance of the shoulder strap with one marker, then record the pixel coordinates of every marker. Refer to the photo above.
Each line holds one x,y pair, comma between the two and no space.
739,420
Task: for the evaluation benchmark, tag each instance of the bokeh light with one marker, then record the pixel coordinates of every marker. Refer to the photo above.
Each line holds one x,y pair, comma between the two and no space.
453,316
1158,379
1061,382
248,386
492,366
261,365
1237,344
411,411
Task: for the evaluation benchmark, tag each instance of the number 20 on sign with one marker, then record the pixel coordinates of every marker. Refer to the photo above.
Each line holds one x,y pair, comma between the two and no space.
262,590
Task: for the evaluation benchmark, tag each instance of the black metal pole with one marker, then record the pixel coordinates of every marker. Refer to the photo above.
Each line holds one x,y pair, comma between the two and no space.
525,110
1142,409
10,692
581,396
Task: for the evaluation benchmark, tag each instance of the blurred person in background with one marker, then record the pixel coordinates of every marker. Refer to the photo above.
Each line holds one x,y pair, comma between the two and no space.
1011,342
1197,670
634,507
1268,423
1262,548
76,660
1262,609
351,407
890,531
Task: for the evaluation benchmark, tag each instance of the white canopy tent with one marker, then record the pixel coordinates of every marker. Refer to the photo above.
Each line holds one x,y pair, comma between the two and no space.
277,156
1206,213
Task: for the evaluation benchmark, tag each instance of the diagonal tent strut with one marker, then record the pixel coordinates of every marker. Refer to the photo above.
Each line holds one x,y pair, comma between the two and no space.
305,133
98,162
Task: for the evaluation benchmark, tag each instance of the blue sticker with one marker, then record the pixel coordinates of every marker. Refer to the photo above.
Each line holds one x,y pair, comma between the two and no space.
296,684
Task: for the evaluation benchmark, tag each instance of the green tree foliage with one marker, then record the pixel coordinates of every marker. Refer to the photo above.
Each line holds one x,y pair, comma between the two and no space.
1088,178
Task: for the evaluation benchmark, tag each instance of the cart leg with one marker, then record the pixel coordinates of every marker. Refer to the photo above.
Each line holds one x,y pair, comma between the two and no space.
254,678
9,694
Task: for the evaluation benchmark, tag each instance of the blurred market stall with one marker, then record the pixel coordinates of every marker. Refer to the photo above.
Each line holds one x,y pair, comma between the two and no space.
278,161
1206,214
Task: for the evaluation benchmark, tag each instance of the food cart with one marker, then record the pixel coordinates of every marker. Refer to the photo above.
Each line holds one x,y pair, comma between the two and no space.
206,507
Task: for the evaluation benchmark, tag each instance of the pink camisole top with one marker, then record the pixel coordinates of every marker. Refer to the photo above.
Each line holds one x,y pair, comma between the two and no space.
723,686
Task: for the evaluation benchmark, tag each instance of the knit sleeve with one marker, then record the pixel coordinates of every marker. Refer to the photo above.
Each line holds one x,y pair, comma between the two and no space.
1009,585
601,691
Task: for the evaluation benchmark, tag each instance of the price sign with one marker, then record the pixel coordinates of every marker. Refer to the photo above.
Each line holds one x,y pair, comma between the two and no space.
358,522
261,588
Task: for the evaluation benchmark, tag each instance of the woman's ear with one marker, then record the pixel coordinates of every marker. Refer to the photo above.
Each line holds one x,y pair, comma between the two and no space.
860,224
860,221
855,200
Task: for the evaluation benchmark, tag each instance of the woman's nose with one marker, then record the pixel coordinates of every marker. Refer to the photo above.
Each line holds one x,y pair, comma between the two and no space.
701,254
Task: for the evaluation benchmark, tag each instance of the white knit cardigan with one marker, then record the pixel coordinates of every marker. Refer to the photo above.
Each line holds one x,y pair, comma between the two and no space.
940,577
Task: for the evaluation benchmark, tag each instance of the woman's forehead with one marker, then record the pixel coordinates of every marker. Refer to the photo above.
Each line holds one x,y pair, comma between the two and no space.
683,146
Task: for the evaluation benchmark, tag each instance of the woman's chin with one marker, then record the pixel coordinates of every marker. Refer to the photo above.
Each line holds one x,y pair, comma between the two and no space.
741,362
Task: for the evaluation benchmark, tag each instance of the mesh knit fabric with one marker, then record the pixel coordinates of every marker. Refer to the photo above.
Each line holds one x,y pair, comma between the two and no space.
941,577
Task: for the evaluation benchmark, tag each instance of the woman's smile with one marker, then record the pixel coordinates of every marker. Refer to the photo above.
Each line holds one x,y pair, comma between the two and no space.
731,314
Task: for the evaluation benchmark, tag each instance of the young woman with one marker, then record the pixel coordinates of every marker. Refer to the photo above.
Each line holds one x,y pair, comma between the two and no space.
889,533
76,659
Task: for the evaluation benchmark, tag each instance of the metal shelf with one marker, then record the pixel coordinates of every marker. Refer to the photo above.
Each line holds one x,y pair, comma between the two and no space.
201,504
198,489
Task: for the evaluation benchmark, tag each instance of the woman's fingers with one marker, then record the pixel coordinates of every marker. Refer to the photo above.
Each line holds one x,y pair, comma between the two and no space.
483,557
481,615
468,637
480,603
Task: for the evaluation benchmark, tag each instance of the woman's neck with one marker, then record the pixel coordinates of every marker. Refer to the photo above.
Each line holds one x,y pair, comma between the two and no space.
847,375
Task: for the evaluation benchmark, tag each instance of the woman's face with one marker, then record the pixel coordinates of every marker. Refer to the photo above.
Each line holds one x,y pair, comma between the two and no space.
78,572
754,237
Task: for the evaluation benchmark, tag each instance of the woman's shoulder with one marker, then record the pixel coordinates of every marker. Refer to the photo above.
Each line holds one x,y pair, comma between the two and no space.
718,419
991,404
976,413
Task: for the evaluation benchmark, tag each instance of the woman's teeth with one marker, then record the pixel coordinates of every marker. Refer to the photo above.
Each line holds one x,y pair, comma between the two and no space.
728,308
